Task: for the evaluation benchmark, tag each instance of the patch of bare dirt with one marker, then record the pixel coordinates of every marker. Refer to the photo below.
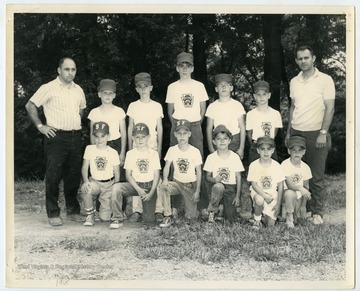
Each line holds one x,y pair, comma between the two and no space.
42,252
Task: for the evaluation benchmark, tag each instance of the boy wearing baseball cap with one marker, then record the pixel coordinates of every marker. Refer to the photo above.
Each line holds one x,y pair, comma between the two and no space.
262,120
228,112
186,99
186,160
142,168
104,164
223,175
114,116
138,111
266,177
297,176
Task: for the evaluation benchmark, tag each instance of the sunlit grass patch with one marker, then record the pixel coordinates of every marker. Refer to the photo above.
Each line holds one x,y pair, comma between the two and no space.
217,243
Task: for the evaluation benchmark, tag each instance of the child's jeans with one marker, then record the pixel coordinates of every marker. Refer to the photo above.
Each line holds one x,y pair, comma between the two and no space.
104,190
175,187
126,189
225,192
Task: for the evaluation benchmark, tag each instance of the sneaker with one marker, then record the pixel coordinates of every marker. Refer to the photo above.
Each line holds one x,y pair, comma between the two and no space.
166,222
89,221
55,221
290,224
97,216
159,217
211,218
135,217
317,219
257,224
115,224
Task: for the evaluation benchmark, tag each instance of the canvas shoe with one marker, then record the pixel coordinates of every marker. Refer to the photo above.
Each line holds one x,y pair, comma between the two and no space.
317,219
55,221
290,224
167,221
135,217
97,216
159,217
89,221
257,224
115,224
211,218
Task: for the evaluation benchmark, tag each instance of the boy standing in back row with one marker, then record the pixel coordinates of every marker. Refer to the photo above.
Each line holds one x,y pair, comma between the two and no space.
186,99
262,120
147,111
228,112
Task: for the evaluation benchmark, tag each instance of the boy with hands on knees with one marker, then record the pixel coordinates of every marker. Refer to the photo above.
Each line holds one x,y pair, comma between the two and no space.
297,175
104,164
142,168
223,175
186,160
266,177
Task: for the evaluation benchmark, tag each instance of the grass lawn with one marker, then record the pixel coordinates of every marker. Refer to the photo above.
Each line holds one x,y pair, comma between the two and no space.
218,242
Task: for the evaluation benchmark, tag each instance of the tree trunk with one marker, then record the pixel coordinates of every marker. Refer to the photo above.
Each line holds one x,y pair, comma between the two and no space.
274,57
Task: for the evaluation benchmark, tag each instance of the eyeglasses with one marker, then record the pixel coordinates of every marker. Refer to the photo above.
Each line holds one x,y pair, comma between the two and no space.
185,65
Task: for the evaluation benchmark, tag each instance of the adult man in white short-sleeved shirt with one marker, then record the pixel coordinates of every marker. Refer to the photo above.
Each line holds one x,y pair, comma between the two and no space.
312,108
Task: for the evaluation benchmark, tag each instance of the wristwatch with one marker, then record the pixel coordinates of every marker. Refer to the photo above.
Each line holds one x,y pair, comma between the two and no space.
323,131
40,125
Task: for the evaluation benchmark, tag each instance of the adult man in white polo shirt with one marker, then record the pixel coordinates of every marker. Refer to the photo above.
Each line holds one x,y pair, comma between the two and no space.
63,102
312,108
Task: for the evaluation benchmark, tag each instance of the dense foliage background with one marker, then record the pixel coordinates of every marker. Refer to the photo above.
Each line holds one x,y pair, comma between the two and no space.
118,46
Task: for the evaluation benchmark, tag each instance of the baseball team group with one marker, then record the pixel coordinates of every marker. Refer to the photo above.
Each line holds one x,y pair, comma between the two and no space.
124,158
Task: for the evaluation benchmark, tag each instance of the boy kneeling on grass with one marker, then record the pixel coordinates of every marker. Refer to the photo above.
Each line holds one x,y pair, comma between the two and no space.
297,175
187,161
223,178
142,169
266,177
104,164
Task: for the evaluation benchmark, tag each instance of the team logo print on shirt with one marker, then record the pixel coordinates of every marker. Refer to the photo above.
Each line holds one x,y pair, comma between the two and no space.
143,165
296,178
266,182
224,174
188,100
266,126
183,165
101,163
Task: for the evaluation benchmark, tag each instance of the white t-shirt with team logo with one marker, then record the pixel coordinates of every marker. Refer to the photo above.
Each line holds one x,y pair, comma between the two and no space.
297,174
142,164
148,113
184,162
226,113
263,123
113,119
226,168
186,98
266,177
102,161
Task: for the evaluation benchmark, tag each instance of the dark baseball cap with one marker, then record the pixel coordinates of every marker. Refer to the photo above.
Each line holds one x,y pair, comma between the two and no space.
107,84
261,85
141,128
265,140
221,128
185,58
297,140
100,126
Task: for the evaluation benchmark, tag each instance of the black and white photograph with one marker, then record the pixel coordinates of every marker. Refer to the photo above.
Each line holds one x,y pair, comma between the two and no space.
180,146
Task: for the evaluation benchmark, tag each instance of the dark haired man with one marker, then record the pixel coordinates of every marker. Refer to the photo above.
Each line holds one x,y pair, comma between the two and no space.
63,102
312,108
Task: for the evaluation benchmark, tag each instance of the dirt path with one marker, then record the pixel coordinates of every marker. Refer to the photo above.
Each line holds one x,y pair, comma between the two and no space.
45,252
